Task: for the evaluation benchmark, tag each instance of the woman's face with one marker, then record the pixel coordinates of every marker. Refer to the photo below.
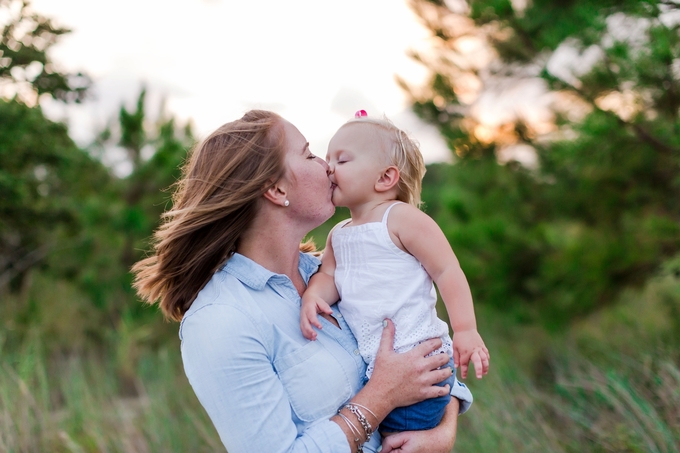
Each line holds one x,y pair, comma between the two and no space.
308,187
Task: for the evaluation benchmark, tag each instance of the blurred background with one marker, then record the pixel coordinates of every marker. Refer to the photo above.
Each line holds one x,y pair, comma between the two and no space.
552,134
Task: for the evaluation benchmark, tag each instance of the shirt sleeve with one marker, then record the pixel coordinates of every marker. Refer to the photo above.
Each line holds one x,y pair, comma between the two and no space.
226,362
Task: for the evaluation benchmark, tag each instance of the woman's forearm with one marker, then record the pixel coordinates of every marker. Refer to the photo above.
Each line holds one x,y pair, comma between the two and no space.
448,427
440,439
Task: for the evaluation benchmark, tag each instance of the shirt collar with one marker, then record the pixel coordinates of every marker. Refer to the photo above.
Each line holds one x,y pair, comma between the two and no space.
255,276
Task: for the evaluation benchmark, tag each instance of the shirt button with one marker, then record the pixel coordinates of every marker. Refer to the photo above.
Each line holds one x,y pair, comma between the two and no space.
356,352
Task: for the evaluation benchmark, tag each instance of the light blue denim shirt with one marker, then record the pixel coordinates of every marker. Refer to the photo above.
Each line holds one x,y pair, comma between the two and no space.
265,387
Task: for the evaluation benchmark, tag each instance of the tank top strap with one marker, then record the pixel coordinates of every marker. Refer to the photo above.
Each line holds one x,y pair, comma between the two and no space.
340,224
387,212
343,223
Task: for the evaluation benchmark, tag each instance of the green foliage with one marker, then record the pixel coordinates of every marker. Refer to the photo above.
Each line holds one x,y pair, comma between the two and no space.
69,229
45,181
24,61
131,212
145,194
599,213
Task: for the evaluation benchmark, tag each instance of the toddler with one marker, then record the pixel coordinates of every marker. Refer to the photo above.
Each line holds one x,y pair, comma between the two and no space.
381,263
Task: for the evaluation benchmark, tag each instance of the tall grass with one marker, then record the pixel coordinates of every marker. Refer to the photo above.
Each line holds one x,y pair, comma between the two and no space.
611,383
80,404
628,407
627,410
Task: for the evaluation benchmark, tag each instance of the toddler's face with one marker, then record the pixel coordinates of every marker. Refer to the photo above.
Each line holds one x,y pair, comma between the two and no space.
356,159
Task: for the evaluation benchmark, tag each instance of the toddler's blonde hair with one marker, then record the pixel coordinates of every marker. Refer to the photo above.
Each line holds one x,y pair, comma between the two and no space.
402,152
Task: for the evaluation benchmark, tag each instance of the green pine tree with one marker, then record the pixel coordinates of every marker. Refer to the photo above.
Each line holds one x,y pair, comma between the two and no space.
600,211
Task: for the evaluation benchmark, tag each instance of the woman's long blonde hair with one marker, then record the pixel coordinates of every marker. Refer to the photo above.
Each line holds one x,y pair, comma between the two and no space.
213,204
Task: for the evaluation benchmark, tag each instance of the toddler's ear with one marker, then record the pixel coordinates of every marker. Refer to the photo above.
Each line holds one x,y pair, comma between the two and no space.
388,179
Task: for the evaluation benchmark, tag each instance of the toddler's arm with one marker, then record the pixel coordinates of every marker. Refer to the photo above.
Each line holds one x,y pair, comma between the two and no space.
421,237
321,293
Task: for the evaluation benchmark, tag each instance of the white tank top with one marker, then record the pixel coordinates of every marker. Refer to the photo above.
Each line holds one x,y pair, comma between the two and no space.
377,280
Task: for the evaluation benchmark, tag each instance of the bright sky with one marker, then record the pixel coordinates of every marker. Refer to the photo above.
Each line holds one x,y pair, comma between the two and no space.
314,62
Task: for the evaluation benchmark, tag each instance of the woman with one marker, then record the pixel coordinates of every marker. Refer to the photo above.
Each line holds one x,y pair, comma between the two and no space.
228,264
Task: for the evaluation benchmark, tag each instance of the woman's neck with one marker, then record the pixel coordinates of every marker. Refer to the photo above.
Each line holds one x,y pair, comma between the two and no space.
273,253
272,244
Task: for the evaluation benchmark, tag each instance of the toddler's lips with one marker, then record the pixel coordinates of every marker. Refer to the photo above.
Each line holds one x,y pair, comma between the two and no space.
333,186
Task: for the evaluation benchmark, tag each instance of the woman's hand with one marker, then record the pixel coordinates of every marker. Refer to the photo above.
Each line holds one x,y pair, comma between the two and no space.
410,377
437,440
401,380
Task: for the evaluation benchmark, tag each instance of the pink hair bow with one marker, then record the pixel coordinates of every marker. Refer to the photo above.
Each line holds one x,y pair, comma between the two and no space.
360,113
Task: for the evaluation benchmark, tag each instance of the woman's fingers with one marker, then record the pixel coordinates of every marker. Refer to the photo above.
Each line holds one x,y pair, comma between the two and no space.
393,442
438,360
427,347
438,391
443,373
411,376
387,338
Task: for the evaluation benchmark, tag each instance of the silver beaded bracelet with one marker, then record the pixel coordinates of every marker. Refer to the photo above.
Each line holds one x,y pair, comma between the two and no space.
369,411
368,429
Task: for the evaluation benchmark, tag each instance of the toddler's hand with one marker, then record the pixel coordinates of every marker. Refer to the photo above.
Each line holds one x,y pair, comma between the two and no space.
468,346
311,306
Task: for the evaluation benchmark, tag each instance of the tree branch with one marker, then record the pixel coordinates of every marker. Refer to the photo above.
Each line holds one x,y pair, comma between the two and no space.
24,263
639,131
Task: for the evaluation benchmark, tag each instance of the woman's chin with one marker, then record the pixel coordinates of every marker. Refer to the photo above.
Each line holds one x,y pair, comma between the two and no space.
338,204
332,211
327,214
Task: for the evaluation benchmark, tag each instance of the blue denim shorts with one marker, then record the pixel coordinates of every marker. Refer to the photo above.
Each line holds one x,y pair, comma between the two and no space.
423,415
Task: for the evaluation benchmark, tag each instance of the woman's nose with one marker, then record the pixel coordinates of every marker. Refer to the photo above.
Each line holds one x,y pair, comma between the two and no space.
323,163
